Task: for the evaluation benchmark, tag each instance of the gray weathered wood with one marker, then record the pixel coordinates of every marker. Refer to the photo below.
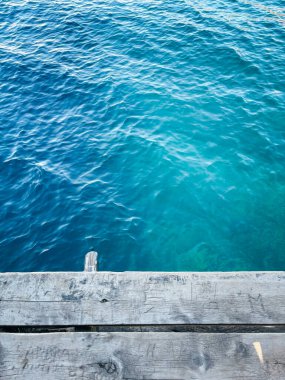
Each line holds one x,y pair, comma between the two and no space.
90,264
107,298
137,356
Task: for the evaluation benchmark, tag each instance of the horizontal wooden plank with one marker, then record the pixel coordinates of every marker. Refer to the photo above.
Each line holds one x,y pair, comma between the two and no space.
137,356
107,298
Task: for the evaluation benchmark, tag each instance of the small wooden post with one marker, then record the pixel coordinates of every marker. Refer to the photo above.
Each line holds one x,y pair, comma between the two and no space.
90,264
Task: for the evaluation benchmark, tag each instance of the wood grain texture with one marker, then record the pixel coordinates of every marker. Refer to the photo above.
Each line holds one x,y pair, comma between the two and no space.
107,298
137,356
91,262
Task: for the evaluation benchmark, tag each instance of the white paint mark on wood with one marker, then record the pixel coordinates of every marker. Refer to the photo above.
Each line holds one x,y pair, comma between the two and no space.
259,352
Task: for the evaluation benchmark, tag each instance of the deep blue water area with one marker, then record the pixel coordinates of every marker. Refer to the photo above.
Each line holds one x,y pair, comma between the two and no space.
151,131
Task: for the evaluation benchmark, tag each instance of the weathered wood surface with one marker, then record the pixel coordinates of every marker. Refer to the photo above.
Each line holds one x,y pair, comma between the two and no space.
91,262
137,356
107,298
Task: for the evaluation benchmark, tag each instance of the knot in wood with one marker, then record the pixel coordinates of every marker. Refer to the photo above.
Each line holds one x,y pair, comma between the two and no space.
109,367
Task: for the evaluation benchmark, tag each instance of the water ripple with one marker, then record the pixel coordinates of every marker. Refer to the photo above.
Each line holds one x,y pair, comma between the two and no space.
150,131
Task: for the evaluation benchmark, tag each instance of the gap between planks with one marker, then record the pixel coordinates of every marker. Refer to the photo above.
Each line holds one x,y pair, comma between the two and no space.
148,328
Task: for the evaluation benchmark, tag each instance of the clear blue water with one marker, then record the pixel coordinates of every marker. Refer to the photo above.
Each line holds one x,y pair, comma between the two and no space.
151,131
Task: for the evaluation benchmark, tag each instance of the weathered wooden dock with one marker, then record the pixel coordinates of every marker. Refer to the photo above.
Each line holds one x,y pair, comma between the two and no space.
142,325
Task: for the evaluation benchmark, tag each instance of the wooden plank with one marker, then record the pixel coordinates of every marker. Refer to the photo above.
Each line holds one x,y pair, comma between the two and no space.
90,264
108,298
137,356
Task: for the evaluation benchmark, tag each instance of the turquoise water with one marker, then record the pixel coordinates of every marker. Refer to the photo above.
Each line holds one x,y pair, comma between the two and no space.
150,131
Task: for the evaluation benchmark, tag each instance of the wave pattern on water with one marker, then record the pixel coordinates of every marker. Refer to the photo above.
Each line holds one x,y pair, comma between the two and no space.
153,132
